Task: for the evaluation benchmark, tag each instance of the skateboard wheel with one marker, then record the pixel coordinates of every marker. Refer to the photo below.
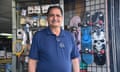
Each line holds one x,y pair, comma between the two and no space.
102,51
100,22
86,49
83,70
90,23
92,52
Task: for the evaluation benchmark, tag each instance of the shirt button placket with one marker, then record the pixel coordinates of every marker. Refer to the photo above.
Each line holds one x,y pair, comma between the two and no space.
57,47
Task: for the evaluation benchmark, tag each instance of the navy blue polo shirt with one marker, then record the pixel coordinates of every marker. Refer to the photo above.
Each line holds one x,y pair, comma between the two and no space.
54,53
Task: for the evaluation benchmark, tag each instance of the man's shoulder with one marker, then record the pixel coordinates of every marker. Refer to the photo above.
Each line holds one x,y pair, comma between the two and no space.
68,33
65,31
40,32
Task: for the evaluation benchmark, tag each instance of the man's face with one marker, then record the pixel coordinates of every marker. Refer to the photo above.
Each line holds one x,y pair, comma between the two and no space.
55,17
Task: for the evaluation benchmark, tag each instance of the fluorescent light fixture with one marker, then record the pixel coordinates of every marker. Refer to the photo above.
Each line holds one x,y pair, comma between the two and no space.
9,37
5,34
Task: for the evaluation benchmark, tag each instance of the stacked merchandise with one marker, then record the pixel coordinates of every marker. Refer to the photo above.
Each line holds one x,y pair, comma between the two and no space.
2,67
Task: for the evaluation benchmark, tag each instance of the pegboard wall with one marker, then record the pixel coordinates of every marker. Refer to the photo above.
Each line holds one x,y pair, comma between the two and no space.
79,8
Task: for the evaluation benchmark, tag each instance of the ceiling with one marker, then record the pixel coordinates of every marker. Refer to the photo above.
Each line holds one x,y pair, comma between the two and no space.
5,16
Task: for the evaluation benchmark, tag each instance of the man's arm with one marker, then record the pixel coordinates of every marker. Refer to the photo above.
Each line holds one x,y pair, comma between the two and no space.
75,63
32,65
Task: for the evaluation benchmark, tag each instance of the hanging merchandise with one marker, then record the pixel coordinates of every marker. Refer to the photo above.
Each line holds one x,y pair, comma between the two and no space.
44,8
94,50
19,34
75,29
2,68
30,17
86,40
35,22
2,54
98,36
9,55
43,21
28,33
8,67
23,12
18,48
22,20
33,9
34,14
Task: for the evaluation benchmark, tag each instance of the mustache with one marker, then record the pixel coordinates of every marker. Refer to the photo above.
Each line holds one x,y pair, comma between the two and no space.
55,21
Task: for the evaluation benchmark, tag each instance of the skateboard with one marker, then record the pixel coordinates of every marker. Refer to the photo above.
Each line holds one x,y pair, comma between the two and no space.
75,29
86,40
83,66
98,37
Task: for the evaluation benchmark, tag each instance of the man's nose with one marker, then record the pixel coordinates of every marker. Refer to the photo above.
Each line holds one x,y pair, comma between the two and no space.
55,17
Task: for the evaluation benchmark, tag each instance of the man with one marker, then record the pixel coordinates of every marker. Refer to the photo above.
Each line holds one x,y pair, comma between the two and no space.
53,49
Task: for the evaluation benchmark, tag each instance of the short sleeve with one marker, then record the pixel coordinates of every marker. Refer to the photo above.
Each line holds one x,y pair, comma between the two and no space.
34,50
75,52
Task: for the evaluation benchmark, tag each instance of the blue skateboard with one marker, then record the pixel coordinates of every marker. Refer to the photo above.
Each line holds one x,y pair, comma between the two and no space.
86,40
98,36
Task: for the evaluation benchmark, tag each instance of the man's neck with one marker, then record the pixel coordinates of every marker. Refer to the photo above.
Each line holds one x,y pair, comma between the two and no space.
55,30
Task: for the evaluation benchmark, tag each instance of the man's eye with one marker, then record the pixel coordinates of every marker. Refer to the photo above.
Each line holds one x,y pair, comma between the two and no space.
51,15
58,15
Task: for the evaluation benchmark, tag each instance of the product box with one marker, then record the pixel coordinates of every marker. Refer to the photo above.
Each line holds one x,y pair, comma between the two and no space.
2,54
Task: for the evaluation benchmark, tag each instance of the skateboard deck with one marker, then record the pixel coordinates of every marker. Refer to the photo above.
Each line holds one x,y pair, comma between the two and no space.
75,29
83,66
86,40
98,37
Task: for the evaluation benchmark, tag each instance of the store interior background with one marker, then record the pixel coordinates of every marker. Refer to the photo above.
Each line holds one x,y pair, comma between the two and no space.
5,23
71,8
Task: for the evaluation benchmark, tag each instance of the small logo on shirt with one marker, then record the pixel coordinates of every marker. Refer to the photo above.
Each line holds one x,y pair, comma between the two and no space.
62,45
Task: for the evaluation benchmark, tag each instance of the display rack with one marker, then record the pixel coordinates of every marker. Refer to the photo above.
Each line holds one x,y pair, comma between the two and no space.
5,53
79,8
29,16
3,61
72,8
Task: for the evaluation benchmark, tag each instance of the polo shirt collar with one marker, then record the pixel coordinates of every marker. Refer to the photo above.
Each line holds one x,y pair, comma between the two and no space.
49,32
